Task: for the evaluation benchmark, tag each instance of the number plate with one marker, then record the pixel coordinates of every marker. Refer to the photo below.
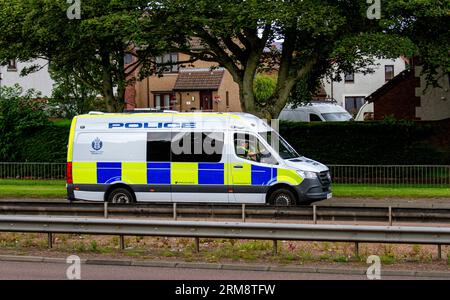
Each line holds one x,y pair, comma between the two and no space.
329,196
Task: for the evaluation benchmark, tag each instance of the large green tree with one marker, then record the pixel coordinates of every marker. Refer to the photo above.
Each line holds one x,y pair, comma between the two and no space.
318,38
90,48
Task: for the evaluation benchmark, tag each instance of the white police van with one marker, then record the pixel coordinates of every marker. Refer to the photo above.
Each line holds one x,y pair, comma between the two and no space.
165,156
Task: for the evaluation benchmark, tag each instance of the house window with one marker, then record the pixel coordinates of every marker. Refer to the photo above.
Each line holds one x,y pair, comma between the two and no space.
354,104
128,59
164,100
388,72
12,65
349,77
167,63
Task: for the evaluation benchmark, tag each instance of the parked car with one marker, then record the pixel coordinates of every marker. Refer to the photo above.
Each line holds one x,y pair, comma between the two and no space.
316,112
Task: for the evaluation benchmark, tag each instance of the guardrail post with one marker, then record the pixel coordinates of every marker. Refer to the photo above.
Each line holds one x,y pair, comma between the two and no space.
105,210
197,245
50,240
314,214
356,249
122,242
275,247
175,211
390,215
439,252
243,213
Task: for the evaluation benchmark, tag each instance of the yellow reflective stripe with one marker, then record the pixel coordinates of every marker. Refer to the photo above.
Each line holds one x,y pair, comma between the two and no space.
71,140
227,174
184,173
84,172
289,176
134,172
241,176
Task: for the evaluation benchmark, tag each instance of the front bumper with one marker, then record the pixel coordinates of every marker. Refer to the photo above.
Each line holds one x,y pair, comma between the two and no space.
311,190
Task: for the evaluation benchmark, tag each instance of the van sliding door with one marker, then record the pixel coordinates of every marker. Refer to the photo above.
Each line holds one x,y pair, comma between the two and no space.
158,167
198,169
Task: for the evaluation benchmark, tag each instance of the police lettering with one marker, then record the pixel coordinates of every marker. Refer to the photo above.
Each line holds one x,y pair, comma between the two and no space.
152,125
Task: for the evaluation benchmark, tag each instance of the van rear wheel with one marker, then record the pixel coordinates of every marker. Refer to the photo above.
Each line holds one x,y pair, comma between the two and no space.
282,197
120,196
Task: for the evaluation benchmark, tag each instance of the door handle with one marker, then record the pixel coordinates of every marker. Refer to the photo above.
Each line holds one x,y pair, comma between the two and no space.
238,167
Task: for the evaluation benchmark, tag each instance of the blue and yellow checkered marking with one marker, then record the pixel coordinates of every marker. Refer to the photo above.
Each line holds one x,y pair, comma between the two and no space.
166,173
211,173
109,172
263,175
158,173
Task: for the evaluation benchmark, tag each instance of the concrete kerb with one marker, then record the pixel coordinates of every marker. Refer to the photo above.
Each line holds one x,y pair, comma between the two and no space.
218,266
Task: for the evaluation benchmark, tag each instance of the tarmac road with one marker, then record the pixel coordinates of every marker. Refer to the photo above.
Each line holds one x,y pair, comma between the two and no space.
10,270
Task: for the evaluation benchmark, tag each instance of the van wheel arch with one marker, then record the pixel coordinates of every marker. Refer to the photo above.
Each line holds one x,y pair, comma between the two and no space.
116,186
278,187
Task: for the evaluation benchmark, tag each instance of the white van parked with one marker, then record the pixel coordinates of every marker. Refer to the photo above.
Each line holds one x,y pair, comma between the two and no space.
315,112
188,157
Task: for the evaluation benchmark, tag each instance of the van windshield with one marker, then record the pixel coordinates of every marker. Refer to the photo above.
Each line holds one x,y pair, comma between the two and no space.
279,144
337,117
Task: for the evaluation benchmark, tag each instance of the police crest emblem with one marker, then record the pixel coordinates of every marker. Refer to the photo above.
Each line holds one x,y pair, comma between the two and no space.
97,144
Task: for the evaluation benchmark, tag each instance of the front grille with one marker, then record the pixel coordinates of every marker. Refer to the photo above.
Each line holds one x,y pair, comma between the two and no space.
325,178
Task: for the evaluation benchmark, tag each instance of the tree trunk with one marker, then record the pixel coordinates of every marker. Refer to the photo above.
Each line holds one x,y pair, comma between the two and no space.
246,85
121,82
107,82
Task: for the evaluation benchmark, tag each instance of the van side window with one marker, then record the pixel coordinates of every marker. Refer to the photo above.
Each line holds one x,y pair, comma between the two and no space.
249,147
158,146
197,147
314,118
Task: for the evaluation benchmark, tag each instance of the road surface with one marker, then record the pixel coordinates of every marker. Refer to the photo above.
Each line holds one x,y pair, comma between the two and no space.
57,271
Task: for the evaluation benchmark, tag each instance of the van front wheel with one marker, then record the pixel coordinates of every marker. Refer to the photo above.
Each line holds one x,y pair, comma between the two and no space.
120,196
282,197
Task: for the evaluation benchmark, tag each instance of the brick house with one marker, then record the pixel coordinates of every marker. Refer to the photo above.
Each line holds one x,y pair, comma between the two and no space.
407,97
200,86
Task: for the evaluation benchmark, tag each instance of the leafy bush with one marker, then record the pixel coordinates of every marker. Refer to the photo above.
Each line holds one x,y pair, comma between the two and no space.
264,86
22,114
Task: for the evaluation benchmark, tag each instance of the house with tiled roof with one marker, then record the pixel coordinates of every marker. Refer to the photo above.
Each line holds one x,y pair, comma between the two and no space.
197,86
409,96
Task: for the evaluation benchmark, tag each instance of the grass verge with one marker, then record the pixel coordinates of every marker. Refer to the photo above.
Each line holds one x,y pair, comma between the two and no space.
11,188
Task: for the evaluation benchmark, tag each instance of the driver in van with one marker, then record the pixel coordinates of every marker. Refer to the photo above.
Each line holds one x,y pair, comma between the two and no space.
245,151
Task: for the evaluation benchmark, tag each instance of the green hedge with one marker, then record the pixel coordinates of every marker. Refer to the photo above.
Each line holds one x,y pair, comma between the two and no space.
375,143
371,143
47,144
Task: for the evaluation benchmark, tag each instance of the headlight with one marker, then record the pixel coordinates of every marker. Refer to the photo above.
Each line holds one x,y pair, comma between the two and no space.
307,174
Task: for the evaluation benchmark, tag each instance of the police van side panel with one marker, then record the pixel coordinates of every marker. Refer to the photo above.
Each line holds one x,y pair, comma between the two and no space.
107,155
139,157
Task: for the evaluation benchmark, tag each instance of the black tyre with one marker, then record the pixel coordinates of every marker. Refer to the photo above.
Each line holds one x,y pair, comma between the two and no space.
121,196
282,197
